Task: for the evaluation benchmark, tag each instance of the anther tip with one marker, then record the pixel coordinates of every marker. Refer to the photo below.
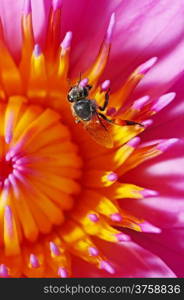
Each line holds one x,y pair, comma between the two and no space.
56,4
8,211
147,123
27,7
163,101
121,237
107,267
134,142
140,103
149,193
65,44
62,272
112,176
105,85
54,249
84,82
93,217
8,138
4,271
164,145
37,50
34,261
145,67
110,28
93,251
116,217
148,227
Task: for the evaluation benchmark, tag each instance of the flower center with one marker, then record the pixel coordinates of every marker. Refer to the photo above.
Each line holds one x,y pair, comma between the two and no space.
6,168
39,171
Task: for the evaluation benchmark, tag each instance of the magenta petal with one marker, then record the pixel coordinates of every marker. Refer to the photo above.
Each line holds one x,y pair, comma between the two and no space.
167,246
130,260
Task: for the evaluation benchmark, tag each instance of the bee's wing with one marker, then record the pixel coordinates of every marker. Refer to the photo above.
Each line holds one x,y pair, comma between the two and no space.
99,130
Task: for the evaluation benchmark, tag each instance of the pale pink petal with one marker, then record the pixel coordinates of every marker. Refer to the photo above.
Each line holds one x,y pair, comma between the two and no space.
10,13
142,32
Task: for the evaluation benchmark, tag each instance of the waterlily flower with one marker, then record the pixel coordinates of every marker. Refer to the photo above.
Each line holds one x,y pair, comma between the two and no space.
72,205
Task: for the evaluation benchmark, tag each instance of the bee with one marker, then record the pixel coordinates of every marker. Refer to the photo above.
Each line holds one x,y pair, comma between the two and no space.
88,112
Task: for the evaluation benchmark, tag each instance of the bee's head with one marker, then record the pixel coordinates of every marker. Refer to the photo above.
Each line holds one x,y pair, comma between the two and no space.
78,92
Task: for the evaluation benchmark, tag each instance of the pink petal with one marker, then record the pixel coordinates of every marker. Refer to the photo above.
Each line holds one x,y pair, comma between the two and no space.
12,10
142,32
129,260
168,246
164,174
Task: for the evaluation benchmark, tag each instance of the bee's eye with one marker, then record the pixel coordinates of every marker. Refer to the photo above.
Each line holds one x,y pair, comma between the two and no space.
70,98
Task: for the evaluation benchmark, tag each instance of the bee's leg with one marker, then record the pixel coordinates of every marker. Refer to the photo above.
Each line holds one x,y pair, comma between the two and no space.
102,108
127,122
100,121
119,121
105,118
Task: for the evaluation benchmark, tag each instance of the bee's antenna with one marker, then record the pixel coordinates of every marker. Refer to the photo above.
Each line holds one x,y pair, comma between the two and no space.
80,77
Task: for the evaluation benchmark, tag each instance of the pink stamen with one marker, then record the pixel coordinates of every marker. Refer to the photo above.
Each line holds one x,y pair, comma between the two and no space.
19,176
22,160
116,217
148,193
93,251
15,158
140,103
163,146
105,85
145,67
6,184
84,82
3,271
147,227
134,142
13,182
62,272
27,7
147,123
66,43
110,28
121,237
54,249
37,50
8,133
20,168
9,155
9,219
93,217
107,267
163,101
34,261
112,176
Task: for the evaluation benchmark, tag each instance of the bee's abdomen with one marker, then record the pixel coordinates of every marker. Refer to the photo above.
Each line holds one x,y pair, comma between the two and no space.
83,109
